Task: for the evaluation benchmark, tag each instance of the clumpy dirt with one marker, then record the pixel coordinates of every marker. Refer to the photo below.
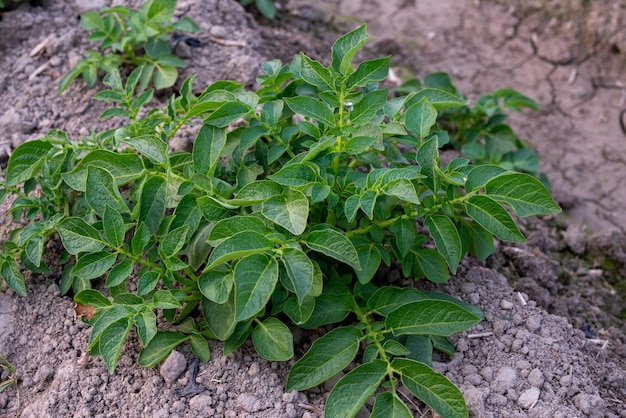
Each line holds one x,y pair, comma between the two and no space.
553,343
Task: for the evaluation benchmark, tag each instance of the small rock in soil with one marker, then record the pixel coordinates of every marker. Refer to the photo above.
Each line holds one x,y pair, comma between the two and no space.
173,366
528,398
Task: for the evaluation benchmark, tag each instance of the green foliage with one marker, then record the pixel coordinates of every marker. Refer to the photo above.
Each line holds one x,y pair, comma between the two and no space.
265,7
132,37
292,198
480,131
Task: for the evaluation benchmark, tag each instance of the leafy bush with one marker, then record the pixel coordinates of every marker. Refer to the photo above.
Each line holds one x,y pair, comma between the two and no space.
291,200
480,131
132,37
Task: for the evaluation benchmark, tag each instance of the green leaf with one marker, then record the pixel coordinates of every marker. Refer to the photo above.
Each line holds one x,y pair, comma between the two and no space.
432,264
421,117
228,227
523,192
165,76
334,244
152,202
289,210
124,167
266,7
446,239
311,108
352,390
92,297
207,149
273,340
299,312
300,272
13,277
387,299
106,318
430,317
34,250
481,174
113,226
315,73
26,160
440,99
150,146
368,71
389,405
328,355
160,11
330,308
147,282
238,337
475,310
426,158
112,341
200,347
93,265
494,218
227,113
403,189
405,232
255,279
102,192
344,49
220,317
372,103
140,239
256,192
215,285
431,387
369,258
119,273
174,241
164,299
145,322
239,245
295,175
160,347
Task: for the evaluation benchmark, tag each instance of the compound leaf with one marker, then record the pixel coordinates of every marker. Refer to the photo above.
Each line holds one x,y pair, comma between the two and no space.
26,160
311,108
300,272
207,148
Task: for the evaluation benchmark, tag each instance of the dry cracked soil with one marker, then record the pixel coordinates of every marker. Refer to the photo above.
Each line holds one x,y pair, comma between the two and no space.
553,343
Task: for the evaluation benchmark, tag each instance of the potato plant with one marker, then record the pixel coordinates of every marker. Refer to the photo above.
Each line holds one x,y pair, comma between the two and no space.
132,37
291,199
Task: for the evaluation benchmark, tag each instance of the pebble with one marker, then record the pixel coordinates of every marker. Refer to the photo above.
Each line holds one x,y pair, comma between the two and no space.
505,379
589,403
249,402
533,323
201,402
506,305
535,378
173,366
528,398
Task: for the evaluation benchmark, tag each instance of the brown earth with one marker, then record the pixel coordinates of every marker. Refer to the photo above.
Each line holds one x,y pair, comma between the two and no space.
552,344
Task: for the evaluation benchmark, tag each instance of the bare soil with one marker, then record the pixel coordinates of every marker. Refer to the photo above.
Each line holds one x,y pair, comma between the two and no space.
553,343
